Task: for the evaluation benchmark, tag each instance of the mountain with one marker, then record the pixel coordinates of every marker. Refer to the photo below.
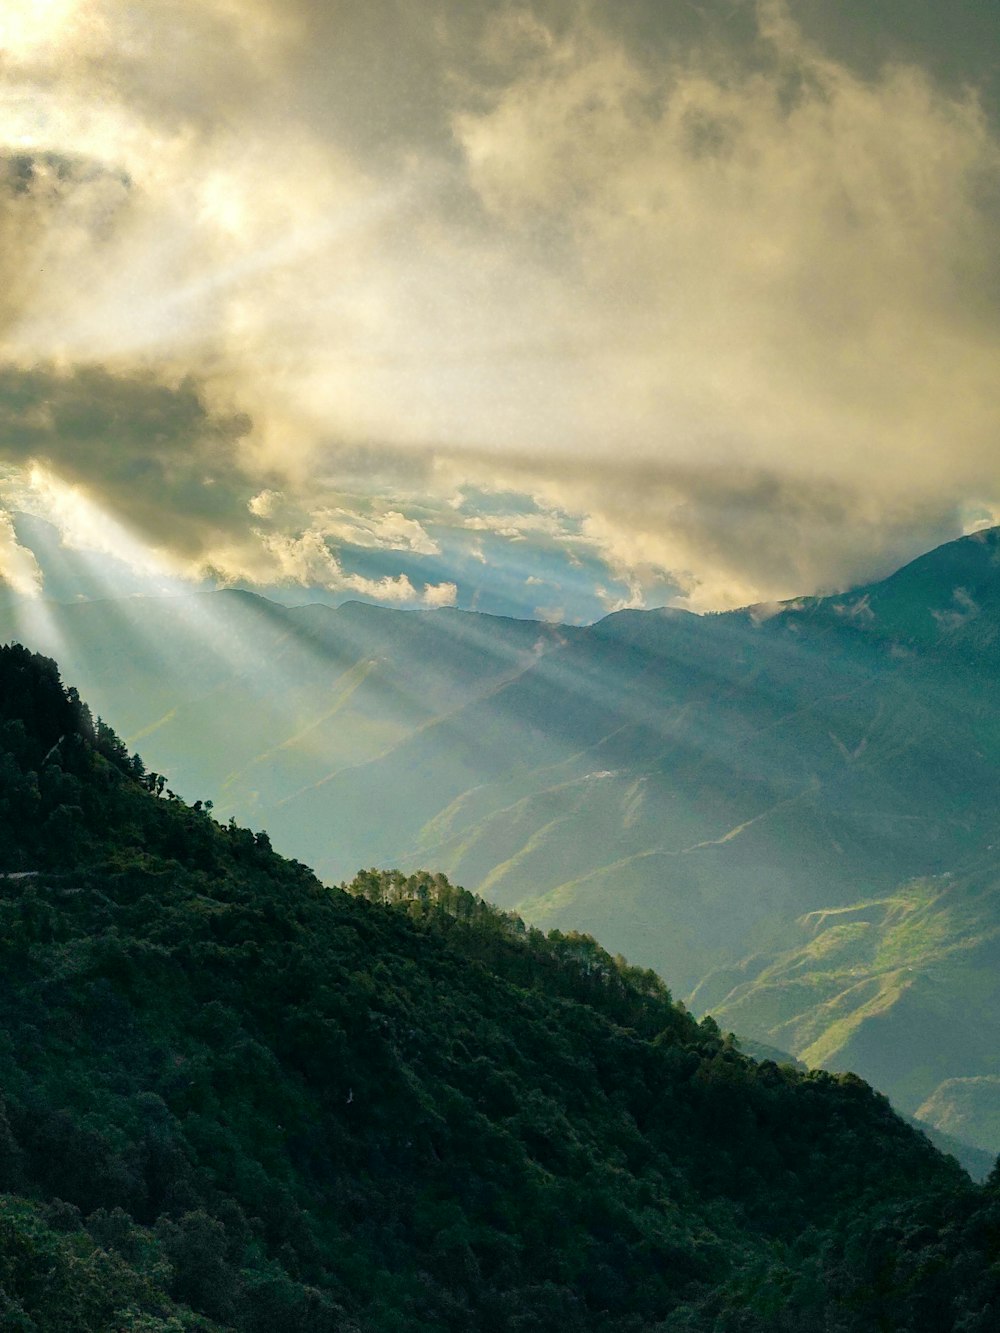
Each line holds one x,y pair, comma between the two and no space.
886,987
969,1107
236,696
234,1098
686,788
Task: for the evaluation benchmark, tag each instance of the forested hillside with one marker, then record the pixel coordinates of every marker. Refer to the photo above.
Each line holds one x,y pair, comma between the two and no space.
237,1099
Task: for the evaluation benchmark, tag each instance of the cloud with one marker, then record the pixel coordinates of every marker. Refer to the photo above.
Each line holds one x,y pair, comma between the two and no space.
440,594
858,610
153,452
773,267
390,530
309,560
521,527
715,294
964,608
53,210
709,537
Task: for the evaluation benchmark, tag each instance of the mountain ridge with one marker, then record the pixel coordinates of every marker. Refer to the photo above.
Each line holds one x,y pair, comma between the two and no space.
684,787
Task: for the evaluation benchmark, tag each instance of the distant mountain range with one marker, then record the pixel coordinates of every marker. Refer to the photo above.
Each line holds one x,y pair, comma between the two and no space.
793,811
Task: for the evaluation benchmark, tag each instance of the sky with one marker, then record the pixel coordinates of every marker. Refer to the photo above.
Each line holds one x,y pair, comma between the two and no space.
544,309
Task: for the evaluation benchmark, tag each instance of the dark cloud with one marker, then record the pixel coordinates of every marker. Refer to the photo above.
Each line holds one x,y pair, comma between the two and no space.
150,453
956,42
388,73
725,532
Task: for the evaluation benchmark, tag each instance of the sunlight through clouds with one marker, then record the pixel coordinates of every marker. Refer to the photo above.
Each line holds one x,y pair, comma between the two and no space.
29,28
18,567
723,301
85,527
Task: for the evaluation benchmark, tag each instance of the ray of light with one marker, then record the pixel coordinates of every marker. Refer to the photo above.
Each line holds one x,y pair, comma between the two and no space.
113,323
36,627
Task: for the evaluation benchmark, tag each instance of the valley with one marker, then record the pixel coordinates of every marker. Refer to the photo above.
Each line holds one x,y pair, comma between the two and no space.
711,796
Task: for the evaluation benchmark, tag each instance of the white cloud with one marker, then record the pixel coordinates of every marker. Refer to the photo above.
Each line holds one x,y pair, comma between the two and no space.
264,503
308,560
390,531
440,594
964,608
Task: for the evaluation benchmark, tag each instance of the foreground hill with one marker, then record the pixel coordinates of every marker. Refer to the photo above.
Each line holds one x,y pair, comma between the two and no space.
234,1098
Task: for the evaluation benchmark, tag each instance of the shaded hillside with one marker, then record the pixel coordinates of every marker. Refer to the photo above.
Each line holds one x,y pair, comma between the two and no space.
969,1107
234,1095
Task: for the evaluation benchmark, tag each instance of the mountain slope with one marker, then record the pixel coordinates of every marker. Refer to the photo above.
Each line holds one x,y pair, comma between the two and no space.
688,786
886,987
270,1105
234,695
969,1107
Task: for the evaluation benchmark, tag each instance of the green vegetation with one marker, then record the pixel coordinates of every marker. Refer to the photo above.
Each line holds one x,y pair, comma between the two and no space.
885,987
968,1108
234,1098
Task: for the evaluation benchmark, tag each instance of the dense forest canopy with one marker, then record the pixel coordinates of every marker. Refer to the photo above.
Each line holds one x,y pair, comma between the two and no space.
234,1098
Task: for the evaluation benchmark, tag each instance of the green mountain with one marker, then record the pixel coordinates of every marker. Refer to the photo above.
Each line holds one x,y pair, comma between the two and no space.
685,785
886,987
234,1098
965,1107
